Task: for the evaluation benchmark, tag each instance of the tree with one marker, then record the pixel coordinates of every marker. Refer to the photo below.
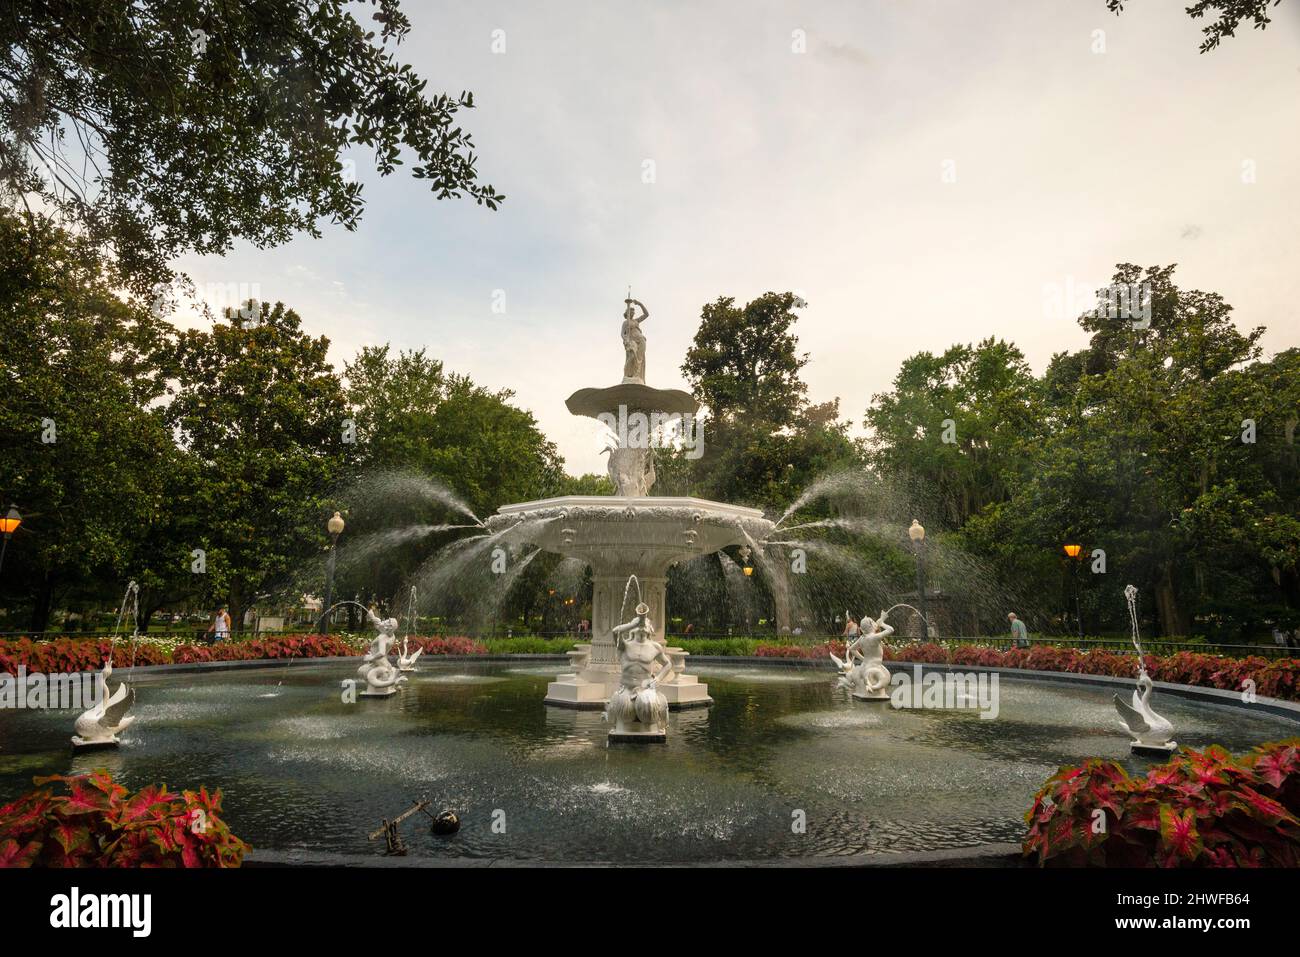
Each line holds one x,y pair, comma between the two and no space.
1228,15
83,448
418,425
745,361
762,441
165,126
413,415
957,425
1165,445
261,412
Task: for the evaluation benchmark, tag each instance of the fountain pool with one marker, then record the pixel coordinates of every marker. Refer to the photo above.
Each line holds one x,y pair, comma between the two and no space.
302,772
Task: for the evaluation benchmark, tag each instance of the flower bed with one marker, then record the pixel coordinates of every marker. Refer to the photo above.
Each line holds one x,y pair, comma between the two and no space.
98,823
1273,678
1202,809
66,655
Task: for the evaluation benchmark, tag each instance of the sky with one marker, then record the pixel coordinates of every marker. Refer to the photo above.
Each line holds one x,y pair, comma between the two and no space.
921,172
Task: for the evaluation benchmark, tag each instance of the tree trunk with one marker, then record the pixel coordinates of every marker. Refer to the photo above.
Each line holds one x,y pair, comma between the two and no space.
42,605
1173,622
236,609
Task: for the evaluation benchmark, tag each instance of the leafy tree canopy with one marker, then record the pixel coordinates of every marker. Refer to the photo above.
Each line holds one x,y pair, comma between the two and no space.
1226,16
165,126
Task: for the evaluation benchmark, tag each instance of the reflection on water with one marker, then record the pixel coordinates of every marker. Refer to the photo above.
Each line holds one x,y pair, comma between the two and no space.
302,769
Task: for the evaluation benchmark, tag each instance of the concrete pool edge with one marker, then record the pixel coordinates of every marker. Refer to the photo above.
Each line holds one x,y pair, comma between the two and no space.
983,855
1273,706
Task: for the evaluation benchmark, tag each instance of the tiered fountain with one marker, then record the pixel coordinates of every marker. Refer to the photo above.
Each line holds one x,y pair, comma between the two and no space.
631,533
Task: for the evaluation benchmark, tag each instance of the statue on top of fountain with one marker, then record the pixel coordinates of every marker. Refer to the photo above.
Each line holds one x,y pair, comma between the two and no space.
638,709
634,341
863,670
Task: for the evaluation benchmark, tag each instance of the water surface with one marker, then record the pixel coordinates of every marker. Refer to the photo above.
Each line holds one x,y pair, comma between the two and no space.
300,769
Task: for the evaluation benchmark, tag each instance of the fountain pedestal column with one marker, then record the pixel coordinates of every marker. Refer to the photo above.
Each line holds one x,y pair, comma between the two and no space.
618,537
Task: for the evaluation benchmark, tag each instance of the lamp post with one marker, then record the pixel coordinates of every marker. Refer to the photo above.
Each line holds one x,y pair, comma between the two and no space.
8,525
1074,552
335,528
917,534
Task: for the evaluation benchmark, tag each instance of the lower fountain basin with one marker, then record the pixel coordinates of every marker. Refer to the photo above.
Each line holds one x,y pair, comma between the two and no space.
304,774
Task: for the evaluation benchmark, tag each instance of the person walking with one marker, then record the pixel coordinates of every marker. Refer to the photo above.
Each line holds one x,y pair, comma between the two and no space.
1019,634
220,627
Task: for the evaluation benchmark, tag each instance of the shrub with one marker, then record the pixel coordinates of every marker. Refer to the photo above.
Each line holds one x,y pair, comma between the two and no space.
66,655
823,651
527,646
98,823
451,645
1202,809
1279,678
714,646
281,646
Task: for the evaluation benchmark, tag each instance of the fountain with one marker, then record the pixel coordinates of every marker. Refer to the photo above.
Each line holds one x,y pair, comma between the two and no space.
99,726
1151,733
631,533
863,670
380,677
637,708
406,659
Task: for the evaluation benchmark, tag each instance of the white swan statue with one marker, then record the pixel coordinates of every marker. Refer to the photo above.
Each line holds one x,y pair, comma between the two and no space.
100,726
405,660
1150,732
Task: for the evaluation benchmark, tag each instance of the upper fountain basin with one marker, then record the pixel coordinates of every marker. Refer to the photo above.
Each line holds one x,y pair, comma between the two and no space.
634,397
649,530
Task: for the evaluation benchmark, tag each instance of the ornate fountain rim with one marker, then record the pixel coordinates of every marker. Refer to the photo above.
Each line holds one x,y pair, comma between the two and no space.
610,506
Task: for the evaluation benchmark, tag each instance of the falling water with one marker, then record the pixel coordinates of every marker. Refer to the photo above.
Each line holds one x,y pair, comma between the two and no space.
1131,597
395,486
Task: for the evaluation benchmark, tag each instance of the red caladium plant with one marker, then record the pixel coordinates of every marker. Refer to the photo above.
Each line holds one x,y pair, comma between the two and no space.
67,655
98,823
1202,809
1274,679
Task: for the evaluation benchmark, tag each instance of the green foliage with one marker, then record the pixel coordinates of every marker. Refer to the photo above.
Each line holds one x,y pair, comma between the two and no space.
763,442
985,398
168,126
83,449
1139,445
259,412
1227,16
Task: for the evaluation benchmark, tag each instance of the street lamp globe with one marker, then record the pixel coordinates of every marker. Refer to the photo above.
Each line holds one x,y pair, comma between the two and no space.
9,524
335,525
917,531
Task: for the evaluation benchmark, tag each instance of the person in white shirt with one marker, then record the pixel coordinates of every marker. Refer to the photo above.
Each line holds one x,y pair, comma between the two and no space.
220,627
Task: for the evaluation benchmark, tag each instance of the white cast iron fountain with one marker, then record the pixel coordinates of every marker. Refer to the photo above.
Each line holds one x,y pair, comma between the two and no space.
100,725
1151,733
863,671
376,671
631,533
637,708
